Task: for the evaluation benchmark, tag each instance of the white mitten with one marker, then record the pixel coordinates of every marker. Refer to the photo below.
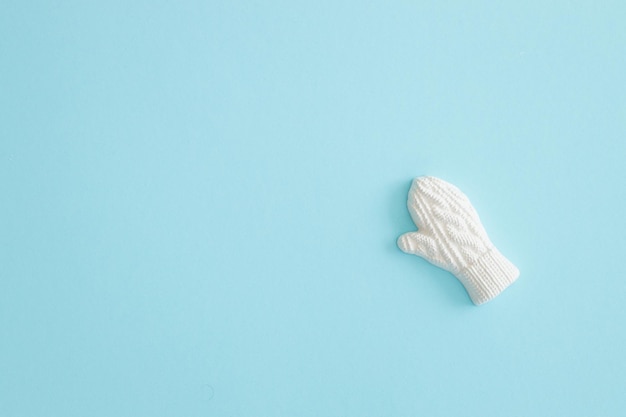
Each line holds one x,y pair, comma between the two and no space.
451,236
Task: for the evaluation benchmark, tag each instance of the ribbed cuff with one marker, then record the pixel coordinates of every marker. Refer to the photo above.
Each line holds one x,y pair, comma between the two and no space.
488,276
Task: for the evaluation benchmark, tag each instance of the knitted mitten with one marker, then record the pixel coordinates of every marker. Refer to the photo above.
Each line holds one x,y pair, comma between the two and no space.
451,236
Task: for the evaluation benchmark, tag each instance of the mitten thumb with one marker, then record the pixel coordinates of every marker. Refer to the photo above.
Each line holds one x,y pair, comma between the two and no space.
416,243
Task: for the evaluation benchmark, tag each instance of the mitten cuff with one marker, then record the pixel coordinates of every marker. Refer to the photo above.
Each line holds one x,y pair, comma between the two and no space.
488,276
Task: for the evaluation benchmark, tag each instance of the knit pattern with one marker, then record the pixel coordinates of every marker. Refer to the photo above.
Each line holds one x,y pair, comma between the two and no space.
451,236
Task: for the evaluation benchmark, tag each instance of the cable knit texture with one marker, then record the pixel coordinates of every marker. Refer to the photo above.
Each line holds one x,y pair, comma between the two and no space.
451,236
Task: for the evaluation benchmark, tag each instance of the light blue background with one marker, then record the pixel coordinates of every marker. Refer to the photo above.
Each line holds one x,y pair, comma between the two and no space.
200,202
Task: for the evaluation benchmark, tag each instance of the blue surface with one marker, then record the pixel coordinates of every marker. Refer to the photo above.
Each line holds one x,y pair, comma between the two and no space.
200,202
